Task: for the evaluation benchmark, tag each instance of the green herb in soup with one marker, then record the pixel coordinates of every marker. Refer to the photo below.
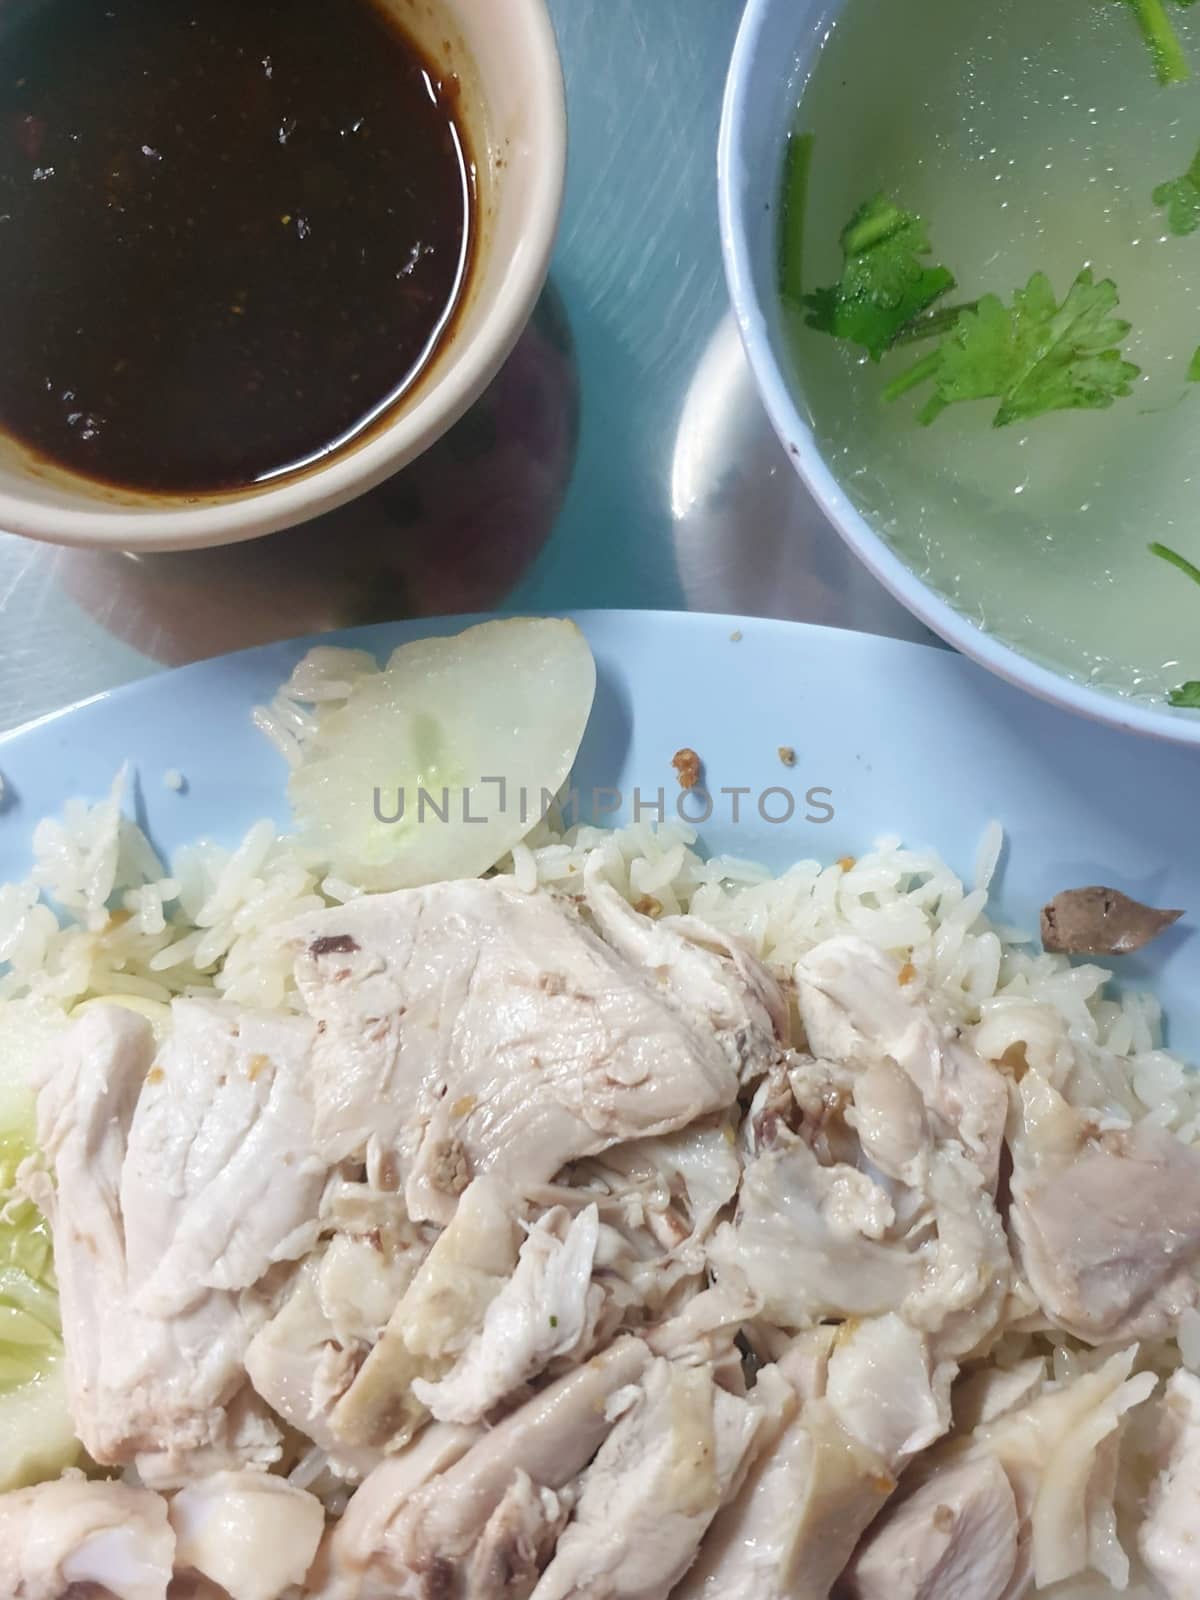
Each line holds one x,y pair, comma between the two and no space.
1035,356
1165,553
1170,63
795,203
1010,144
1181,198
885,281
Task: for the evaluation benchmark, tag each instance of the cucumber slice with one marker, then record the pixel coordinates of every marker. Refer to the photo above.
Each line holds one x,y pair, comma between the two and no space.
487,724
37,1439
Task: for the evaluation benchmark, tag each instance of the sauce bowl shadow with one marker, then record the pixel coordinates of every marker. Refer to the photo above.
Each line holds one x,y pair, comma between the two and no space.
453,532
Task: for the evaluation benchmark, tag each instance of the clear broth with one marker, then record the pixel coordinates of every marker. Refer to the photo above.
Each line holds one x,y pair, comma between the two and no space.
1029,137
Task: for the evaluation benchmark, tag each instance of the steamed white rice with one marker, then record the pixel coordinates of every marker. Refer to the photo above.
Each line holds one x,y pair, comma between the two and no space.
101,915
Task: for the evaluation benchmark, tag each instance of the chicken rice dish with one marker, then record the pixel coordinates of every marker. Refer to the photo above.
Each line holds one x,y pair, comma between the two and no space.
601,1221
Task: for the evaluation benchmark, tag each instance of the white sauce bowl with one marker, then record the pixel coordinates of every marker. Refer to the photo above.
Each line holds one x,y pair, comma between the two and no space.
505,54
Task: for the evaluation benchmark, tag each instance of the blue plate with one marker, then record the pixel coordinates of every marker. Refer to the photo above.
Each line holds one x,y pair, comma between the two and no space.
890,738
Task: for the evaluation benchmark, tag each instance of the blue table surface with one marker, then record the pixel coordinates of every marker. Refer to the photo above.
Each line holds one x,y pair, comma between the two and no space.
621,458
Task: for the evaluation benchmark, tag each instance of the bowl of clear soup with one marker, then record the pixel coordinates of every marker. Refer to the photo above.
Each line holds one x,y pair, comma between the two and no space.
963,245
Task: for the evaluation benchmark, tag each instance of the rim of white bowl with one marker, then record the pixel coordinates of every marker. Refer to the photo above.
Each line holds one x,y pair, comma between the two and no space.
797,439
324,488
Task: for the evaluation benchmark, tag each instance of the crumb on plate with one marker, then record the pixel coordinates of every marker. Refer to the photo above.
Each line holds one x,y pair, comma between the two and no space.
787,755
687,764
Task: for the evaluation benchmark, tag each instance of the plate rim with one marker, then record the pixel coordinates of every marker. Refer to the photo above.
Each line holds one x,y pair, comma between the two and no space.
883,678
130,692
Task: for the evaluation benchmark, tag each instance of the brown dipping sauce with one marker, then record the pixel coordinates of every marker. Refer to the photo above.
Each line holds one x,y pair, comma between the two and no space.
233,233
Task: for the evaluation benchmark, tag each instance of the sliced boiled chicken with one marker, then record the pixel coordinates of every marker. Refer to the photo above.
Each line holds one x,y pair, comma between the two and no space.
817,1492
855,1009
517,1541
854,1418
658,1200
872,1165
353,1559
155,1238
989,1392
221,1181
301,1369
438,1316
956,1536
536,1252
73,1537
740,1552
1169,1537
409,1529
886,1389
250,1533
370,1253
334,1312
674,1186
705,1329
1059,1453
470,1028
816,1240
547,1310
657,1481
707,974
1107,1222
969,1281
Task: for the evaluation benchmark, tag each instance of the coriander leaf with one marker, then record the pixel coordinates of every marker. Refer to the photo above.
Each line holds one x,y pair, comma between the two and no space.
932,324
1181,198
1193,371
1034,357
1170,63
884,282
1187,696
